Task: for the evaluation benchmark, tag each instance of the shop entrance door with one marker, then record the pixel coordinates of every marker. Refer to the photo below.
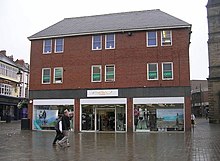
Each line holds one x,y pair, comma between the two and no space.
105,119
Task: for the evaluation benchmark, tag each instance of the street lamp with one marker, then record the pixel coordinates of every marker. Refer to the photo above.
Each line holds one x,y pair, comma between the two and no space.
19,72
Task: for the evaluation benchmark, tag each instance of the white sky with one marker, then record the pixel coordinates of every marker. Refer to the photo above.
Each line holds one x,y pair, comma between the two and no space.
20,19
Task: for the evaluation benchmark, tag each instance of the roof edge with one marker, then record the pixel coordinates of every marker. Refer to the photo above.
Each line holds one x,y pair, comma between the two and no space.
109,31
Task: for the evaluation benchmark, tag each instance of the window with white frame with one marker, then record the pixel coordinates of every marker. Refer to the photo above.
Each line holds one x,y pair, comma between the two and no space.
110,73
152,71
58,75
110,41
59,45
47,46
151,38
96,73
8,71
46,72
167,70
166,38
5,89
97,42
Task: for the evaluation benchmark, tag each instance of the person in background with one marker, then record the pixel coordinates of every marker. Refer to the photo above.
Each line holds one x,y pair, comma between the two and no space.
193,118
58,128
65,129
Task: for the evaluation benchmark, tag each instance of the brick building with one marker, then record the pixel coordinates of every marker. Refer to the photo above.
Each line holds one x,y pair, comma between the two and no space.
118,72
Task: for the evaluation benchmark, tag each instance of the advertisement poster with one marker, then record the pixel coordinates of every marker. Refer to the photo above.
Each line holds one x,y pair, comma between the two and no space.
170,118
45,119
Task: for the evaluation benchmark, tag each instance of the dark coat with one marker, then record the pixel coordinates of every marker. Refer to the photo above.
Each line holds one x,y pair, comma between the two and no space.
65,122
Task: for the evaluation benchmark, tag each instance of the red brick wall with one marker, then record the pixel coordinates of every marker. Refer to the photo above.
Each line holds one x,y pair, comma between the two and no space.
130,57
187,114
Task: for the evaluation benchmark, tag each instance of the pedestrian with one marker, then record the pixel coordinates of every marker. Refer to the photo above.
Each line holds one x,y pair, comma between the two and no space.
206,113
193,119
58,128
65,129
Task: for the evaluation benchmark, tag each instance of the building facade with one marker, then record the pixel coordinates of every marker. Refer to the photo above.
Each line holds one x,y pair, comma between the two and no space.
213,14
11,91
199,92
117,72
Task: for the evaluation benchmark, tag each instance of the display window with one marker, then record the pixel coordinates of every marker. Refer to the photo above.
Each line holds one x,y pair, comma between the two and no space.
158,117
45,116
103,118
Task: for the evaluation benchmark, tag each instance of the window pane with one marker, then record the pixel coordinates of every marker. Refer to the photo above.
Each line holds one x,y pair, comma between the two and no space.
167,71
47,46
46,76
58,75
167,67
166,37
110,41
96,73
152,38
59,45
110,73
96,42
152,71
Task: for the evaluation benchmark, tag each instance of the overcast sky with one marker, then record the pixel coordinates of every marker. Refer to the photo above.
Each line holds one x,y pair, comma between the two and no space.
20,19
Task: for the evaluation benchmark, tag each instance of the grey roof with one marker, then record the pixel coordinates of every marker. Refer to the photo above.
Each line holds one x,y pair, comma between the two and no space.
116,22
7,60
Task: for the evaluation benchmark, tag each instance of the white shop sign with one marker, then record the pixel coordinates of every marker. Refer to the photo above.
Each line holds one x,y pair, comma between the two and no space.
102,93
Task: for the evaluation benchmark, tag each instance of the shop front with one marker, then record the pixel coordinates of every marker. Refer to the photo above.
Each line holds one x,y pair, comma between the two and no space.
46,111
158,114
103,115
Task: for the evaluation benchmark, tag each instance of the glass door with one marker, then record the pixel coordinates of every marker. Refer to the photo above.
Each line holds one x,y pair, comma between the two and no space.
105,119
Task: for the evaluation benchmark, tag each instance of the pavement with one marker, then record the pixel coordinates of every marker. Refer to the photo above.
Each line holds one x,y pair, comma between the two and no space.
201,144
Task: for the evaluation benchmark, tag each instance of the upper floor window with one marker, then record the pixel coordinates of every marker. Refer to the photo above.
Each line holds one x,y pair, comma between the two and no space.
5,89
59,43
96,42
110,41
96,73
46,72
167,70
47,46
110,73
8,71
151,38
166,38
152,71
58,75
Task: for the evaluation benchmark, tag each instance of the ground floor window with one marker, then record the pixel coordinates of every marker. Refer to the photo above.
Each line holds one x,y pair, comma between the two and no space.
45,116
158,117
103,117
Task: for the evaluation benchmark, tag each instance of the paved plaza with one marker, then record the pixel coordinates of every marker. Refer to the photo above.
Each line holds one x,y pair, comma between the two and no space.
202,144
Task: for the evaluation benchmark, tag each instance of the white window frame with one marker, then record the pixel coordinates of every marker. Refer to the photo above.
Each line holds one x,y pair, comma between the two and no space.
6,89
108,65
148,70
148,39
100,67
42,76
55,46
106,36
169,43
54,75
171,70
100,42
47,52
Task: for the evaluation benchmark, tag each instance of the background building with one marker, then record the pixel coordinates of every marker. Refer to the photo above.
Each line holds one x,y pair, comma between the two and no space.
11,93
118,72
199,92
213,13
